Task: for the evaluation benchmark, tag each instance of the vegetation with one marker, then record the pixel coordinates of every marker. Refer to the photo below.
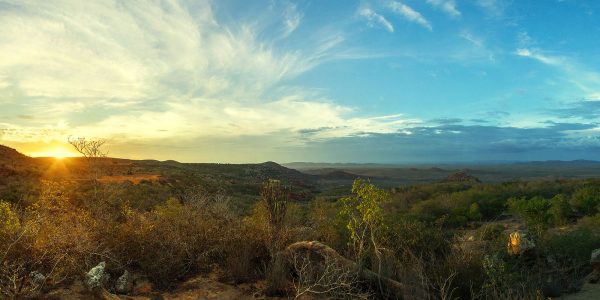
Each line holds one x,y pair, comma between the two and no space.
442,240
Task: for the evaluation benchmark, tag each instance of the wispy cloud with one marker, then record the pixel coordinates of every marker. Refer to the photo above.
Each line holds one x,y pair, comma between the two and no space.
291,19
448,6
374,18
169,71
537,55
577,74
494,8
409,14
478,49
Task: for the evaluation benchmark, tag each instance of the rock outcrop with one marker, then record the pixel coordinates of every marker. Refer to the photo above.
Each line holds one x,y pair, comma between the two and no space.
97,277
124,284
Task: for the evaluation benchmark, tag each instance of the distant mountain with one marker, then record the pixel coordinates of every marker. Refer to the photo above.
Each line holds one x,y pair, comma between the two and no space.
560,162
11,156
13,164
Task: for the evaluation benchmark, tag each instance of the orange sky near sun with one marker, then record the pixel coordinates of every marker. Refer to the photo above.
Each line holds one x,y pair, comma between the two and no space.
43,149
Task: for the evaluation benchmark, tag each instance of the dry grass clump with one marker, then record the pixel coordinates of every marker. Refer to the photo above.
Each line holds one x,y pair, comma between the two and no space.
46,243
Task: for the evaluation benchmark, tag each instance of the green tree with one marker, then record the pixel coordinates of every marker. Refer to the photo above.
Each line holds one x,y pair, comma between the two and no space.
364,212
534,211
586,200
474,212
560,210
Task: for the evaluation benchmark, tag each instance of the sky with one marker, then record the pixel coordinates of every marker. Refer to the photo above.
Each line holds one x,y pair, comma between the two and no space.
318,81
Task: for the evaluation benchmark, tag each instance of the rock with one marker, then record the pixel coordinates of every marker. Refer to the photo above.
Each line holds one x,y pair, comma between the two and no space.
37,279
519,243
595,259
594,277
97,277
124,284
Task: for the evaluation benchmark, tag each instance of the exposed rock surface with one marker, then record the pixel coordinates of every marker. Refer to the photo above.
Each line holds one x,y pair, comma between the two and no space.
124,284
595,259
97,277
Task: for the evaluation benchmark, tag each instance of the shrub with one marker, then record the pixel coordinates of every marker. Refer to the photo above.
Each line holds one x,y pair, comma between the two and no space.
364,213
591,223
474,212
560,210
47,243
586,200
534,211
489,232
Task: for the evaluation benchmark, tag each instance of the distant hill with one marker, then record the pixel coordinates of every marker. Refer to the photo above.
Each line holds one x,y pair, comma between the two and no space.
461,176
9,155
406,174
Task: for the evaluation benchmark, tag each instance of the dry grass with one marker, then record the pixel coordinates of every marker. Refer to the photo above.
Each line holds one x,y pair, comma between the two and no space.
135,178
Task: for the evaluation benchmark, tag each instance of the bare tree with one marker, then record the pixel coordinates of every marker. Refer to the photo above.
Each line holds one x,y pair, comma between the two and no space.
328,279
93,151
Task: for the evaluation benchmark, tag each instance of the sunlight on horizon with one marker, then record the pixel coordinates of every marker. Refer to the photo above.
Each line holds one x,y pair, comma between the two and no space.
58,153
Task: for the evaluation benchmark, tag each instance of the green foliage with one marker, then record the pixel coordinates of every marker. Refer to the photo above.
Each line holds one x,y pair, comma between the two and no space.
560,210
534,211
591,223
9,221
407,237
474,212
364,213
490,232
586,200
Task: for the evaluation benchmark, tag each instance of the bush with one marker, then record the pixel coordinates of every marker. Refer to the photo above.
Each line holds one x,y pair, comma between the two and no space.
45,244
586,200
534,211
591,223
489,232
173,240
560,210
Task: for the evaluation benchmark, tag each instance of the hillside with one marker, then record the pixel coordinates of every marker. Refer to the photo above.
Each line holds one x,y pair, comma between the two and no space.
406,174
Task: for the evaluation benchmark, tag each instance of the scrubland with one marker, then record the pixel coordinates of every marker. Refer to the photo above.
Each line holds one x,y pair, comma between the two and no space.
443,240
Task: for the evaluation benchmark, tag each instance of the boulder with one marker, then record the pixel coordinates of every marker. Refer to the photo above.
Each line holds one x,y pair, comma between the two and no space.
97,277
595,259
37,279
124,284
519,243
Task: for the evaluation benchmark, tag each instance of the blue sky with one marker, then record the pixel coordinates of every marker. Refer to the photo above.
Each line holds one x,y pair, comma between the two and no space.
337,81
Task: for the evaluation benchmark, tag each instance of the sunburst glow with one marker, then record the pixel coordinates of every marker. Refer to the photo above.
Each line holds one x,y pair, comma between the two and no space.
58,153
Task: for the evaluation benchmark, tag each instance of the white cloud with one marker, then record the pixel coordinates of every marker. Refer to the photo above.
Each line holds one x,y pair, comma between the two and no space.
537,55
291,19
375,18
448,6
577,74
409,14
494,8
149,71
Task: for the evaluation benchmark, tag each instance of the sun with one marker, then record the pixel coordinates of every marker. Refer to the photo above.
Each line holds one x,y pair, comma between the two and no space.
57,153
